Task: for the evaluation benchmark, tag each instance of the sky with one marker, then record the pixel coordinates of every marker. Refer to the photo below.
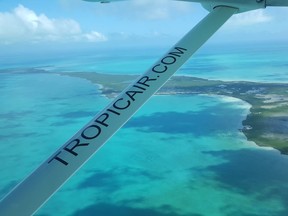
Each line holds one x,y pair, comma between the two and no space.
76,23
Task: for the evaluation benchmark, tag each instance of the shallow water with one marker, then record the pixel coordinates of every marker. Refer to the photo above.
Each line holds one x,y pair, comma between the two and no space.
179,155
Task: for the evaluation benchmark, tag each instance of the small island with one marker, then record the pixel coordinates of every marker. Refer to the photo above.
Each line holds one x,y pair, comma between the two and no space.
266,124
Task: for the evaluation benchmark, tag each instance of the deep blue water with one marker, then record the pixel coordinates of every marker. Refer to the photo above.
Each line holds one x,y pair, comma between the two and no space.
179,155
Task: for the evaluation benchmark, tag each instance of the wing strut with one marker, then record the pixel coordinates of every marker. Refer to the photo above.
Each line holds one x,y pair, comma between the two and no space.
36,189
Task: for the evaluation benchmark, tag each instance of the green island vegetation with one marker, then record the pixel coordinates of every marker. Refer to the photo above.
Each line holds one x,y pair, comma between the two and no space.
266,124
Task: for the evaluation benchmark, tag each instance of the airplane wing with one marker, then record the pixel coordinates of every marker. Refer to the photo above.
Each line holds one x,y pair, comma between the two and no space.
103,1
243,5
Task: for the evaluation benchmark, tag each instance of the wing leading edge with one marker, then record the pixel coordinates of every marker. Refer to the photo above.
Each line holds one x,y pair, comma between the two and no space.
103,1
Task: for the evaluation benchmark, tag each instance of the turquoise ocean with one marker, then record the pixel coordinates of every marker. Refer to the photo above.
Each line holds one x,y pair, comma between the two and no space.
178,156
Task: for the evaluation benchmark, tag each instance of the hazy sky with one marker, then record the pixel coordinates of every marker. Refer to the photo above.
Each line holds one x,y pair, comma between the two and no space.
77,23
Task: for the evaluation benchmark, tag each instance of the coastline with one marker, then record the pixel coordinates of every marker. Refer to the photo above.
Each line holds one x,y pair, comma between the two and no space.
266,124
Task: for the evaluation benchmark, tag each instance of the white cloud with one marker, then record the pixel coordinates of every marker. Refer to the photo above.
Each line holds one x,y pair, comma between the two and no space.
254,26
160,9
95,37
138,9
24,25
250,18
